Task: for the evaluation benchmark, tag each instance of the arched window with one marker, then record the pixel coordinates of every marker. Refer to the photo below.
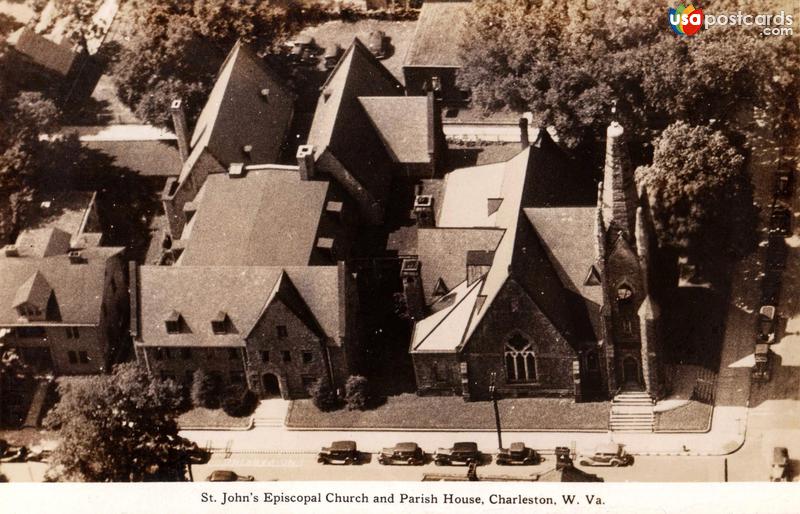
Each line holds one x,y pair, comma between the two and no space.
624,292
520,360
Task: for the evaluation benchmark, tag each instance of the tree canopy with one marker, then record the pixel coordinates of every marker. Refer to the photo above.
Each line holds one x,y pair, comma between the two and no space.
118,428
701,195
568,62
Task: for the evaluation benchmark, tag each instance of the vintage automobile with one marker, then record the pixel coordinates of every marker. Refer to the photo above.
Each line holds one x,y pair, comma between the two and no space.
342,452
770,287
765,330
780,465
760,370
377,43
518,453
460,453
402,453
780,221
223,475
611,454
776,253
783,183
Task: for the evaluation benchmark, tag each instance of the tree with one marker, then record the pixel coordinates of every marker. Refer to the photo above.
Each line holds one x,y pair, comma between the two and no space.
569,62
80,19
701,196
356,392
118,428
239,401
322,395
205,390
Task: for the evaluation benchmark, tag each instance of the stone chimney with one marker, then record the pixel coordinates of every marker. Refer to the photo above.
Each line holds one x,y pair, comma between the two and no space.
181,129
524,140
619,188
305,162
410,274
423,211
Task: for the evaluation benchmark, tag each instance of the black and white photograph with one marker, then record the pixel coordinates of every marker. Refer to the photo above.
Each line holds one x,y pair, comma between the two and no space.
287,244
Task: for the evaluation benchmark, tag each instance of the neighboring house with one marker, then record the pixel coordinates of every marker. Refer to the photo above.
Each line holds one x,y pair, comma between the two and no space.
244,121
63,297
259,293
433,59
365,133
40,63
523,274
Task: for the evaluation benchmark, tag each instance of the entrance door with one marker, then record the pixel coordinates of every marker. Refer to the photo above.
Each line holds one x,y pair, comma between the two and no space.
271,385
630,373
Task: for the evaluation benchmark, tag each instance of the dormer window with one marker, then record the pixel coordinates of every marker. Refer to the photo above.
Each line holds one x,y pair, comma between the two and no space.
173,323
624,292
219,325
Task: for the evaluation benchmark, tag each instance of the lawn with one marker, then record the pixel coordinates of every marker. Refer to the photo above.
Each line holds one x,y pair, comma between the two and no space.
412,412
692,417
202,418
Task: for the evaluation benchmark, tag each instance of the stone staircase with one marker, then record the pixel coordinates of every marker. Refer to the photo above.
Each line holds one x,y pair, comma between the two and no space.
267,422
632,411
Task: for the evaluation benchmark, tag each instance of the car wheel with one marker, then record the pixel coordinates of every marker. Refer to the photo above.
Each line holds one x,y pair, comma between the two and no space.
438,463
411,462
614,463
584,463
348,461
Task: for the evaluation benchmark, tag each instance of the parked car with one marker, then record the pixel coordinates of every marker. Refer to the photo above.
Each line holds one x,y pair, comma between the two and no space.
460,453
332,54
402,453
611,454
780,221
377,43
14,454
224,475
776,253
780,465
766,324
761,368
783,183
518,453
343,452
770,287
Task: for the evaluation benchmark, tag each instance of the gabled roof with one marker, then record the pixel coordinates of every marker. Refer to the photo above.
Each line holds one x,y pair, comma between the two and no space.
568,235
402,124
229,227
238,113
341,124
437,36
43,242
78,288
243,292
443,331
35,291
42,51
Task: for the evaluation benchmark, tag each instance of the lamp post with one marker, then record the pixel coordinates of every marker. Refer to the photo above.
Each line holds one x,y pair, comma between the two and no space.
493,396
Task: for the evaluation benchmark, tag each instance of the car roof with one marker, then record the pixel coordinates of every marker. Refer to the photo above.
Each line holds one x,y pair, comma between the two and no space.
465,446
223,473
517,447
607,448
406,447
343,445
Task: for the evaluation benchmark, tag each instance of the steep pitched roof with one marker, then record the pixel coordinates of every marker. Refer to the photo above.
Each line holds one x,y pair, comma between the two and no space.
35,291
198,293
238,113
78,288
437,34
568,236
43,242
341,124
42,51
229,226
402,124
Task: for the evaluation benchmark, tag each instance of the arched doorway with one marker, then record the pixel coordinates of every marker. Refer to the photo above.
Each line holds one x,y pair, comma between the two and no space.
630,373
270,385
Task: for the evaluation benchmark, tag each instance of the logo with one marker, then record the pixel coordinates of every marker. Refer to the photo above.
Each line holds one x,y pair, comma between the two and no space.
686,20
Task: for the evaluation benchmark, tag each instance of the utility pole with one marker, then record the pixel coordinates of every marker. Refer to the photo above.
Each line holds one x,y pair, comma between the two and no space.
493,396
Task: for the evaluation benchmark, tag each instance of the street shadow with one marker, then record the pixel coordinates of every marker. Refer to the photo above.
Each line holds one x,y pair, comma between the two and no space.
694,318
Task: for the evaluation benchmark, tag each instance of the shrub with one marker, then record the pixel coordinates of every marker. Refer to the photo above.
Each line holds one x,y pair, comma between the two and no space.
356,392
323,396
239,401
205,390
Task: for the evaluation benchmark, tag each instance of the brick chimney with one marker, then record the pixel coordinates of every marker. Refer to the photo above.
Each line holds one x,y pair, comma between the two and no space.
181,129
524,140
305,161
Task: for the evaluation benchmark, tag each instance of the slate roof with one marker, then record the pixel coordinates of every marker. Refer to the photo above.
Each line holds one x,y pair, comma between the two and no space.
437,35
199,293
237,114
146,158
568,235
268,217
78,288
443,252
42,51
341,124
402,124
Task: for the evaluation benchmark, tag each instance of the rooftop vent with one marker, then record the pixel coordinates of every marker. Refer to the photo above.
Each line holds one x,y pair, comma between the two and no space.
236,169
75,257
265,93
11,251
326,93
247,149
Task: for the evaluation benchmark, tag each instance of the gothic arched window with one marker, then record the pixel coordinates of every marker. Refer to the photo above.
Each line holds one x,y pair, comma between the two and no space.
520,360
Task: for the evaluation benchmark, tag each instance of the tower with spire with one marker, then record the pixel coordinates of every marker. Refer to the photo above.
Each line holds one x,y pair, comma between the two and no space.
631,314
